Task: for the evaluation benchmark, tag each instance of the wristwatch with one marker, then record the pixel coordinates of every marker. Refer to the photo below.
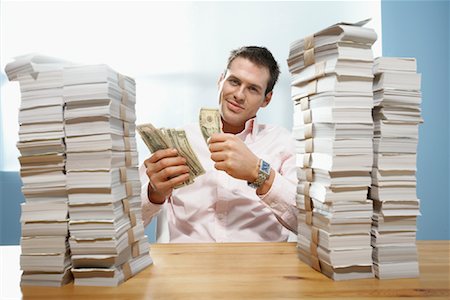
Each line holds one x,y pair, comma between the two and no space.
263,174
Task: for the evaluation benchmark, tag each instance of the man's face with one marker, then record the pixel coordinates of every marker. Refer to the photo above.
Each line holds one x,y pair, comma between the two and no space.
242,92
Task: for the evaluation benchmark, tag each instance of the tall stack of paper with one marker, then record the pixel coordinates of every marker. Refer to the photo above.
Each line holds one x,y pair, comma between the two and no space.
45,258
106,230
332,92
397,100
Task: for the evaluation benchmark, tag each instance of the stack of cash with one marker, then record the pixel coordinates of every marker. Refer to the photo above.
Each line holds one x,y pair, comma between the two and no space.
163,138
106,230
332,93
45,258
397,115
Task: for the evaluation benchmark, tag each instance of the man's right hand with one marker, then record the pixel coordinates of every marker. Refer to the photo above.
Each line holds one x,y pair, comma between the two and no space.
165,170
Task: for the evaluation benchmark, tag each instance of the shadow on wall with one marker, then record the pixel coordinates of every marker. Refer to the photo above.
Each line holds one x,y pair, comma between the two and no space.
11,197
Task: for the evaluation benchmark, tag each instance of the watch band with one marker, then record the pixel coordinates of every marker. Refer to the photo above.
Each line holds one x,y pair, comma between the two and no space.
263,174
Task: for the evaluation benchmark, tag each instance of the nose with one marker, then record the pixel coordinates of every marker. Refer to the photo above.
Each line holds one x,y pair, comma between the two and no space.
239,94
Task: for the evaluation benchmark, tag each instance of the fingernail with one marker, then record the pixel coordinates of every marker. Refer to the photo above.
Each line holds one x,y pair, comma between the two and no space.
208,139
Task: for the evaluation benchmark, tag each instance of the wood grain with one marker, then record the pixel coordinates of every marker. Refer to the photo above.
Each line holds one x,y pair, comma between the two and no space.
256,271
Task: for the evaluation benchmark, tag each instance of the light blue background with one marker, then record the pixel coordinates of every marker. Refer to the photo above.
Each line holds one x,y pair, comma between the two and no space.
411,29
421,30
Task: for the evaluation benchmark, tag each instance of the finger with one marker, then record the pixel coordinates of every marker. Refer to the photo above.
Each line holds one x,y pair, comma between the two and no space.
160,154
170,183
152,185
166,173
173,182
169,162
162,181
157,171
218,146
171,172
218,156
220,137
221,166
147,162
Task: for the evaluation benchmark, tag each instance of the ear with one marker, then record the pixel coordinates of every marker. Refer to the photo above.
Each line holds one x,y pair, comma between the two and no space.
267,99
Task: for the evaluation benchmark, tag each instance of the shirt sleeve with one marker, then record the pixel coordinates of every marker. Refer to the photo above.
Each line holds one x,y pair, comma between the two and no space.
149,209
281,196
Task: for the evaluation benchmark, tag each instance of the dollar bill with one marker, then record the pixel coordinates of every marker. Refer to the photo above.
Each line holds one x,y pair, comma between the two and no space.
210,122
179,136
151,137
156,139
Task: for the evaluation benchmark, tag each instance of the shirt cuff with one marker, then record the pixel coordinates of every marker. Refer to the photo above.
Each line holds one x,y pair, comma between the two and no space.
149,209
281,200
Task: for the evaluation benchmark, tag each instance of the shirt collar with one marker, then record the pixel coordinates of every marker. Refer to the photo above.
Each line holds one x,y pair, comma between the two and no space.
251,128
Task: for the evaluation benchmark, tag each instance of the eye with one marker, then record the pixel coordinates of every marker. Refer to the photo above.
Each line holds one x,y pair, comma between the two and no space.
233,82
253,89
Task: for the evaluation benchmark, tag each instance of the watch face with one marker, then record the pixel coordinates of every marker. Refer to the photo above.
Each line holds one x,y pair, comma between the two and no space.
263,174
265,167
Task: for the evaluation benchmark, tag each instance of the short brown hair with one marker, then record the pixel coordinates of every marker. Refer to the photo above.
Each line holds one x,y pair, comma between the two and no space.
260,56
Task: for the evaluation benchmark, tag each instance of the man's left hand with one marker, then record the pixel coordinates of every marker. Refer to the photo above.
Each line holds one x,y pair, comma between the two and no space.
233,156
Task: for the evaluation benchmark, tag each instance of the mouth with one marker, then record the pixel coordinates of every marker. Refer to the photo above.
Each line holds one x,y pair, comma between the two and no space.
233,106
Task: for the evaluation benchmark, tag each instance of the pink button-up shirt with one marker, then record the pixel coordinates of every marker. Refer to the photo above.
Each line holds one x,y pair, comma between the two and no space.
220,208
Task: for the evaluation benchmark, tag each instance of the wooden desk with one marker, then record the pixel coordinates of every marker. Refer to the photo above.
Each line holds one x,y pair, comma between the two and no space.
245,271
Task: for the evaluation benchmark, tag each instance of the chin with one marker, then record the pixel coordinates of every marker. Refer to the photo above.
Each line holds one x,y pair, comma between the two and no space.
229,116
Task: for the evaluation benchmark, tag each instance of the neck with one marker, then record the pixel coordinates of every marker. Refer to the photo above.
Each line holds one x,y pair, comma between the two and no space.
228,128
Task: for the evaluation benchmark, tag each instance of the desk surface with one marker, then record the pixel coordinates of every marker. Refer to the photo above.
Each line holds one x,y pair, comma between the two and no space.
239,271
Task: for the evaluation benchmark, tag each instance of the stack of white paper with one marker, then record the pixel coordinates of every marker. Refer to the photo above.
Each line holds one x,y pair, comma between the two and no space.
106,230
45,258
396,114
332,92
79,170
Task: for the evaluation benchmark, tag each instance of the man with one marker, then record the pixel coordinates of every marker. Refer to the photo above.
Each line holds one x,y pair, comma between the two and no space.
248,191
